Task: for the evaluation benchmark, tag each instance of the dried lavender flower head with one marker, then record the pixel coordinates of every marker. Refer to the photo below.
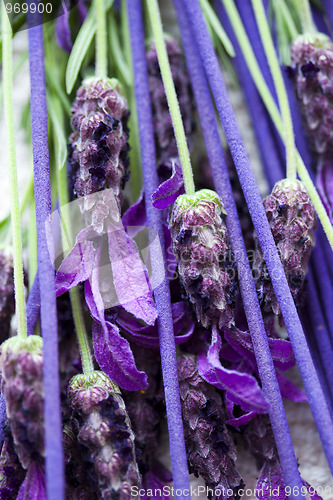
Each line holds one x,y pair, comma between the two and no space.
21,362
202,250
166,146
98,150
312,57
7,303
210,448
292,219
105,431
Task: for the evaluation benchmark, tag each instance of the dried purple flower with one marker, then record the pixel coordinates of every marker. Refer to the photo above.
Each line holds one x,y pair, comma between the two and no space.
313,61
98,146
165,141
202,250
11,471
292,219
210,448
7,304
104,428
22,386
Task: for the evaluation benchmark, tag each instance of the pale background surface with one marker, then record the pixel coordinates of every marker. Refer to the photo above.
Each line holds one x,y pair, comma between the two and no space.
313,465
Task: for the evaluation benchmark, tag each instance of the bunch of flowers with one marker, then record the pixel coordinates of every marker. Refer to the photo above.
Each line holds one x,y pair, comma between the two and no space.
152,301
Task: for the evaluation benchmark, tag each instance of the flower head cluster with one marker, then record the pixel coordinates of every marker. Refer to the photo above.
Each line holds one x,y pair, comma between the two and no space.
202,250
166,146
104,429
22,387
98,151
292,219
210,448
313,61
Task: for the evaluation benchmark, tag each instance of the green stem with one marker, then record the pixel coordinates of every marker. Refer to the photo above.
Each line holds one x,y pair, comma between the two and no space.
274,65
306,17
184,155
80,328
101,40
13,187
293,31
273,111
214,22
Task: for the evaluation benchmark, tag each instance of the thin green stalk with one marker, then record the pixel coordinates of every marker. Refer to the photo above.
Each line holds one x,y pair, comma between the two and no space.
13,188
273,111
214,22
184,155
288,19
274,65
101,40
306,17
80,328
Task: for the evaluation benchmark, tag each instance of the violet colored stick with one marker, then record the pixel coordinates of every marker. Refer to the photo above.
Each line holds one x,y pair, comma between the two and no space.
248,290
54,460
33,306
162,292
295,331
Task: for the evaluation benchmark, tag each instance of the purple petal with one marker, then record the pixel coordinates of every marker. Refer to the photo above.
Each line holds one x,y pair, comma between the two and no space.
271,483
115,358
130,276
168,191
289,390
77,266
155,479
63,32
242,388
325,186
135,217
148,335
33,486
236,422
82,11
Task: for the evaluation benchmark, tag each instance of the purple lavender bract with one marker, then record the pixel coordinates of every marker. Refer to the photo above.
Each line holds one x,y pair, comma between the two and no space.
292,219
104,428
166,146
313,59
98,146
202,250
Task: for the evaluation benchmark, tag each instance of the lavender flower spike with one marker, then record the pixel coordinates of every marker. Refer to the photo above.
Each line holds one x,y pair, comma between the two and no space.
52,415
315,394
162,292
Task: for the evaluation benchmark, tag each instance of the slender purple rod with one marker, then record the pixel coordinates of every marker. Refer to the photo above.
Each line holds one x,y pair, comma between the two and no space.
162,292
33,306
248,290
294,328
54,460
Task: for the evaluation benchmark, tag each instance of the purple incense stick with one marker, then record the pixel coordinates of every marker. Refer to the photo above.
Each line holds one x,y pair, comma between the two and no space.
162,292
295,331
54,460
248,290
32,309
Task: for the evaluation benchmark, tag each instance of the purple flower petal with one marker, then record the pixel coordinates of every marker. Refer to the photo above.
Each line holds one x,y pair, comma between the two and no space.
237,421
63,32
290,391
170,189
115,357
271,483
242,388
130,276
135,217
33,486
325,186
77,266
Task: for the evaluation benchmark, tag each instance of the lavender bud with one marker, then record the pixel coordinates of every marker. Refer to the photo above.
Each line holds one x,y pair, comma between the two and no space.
292,219
313,61
205,262
22,387
7,303
98,150
105,431
166,146
210,449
